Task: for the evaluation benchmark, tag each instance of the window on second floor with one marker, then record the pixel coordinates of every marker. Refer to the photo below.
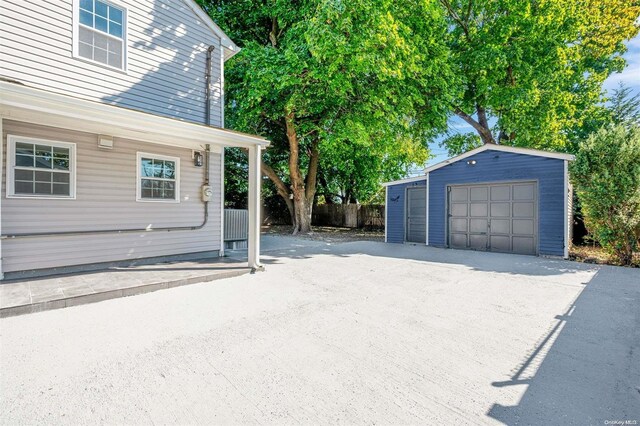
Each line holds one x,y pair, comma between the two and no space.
101,33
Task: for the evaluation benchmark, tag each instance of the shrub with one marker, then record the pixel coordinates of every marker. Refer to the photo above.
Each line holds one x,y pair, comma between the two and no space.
606,175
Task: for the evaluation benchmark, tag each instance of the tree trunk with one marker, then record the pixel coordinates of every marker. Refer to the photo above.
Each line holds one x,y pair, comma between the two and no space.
304,190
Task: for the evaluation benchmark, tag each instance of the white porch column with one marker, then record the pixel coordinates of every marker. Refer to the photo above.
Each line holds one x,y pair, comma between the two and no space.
255,182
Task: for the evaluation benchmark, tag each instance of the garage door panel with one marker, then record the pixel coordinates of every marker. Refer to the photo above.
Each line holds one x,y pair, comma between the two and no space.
501,193
478,225
501,226
500,209
459,225
523,209
499,217
500,243
479,193
524,245
459,209
459,240
478,242
523,226
524,191
479,209
459,194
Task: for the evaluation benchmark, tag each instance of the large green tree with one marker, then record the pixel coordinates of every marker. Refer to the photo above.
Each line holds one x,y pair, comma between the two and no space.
333,78
531,71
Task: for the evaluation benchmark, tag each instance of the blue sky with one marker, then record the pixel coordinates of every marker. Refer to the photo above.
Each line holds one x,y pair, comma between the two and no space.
630,77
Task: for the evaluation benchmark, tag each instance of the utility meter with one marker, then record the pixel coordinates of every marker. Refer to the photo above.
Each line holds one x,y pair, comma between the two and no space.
207,193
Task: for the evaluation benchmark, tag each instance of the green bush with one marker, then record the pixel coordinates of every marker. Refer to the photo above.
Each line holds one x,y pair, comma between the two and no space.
606,175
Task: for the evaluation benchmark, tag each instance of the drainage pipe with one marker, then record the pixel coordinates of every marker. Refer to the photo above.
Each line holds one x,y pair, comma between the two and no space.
207,88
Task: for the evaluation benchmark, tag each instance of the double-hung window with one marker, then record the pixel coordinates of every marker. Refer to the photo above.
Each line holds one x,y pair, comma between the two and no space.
158,178
101,33
38,168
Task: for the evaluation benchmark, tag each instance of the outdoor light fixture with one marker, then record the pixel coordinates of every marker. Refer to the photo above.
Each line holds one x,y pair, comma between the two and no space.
471,162
198,158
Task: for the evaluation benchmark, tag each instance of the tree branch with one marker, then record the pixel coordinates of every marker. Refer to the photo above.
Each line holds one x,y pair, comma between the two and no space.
454,15
281,187
484,132
273,34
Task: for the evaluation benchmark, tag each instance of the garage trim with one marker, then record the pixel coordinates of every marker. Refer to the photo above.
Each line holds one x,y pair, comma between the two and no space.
426,241
494,147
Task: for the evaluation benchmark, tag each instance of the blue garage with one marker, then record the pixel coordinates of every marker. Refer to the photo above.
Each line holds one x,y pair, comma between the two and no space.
493,198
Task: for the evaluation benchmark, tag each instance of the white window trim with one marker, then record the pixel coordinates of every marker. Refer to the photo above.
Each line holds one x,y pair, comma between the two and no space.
125,32
139,198
11,160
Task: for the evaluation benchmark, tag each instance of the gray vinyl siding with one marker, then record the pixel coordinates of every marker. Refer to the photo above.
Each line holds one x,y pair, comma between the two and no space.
106,199
395,210
166,57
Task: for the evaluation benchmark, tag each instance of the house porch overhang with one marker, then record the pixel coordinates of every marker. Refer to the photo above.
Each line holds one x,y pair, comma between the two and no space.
22,103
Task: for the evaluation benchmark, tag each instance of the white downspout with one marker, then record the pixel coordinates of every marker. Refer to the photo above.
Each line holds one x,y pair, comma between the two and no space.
255,181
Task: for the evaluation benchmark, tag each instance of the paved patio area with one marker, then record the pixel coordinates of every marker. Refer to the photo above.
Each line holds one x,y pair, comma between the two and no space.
41,294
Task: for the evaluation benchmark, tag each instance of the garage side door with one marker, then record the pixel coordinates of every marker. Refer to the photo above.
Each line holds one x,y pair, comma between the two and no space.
496,217
416,214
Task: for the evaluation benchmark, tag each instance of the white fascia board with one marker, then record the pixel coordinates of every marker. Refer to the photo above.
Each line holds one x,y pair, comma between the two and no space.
407,180
23,103
501,148
427,213
230,48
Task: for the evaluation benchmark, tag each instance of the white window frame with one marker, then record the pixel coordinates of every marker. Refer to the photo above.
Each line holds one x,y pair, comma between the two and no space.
125,32
139,178
11,164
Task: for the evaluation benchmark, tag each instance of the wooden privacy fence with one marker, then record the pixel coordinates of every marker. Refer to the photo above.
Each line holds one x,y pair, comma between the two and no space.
236,228
349,216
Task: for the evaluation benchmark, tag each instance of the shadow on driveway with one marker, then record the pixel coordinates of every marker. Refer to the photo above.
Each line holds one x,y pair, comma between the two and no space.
275,247
585,370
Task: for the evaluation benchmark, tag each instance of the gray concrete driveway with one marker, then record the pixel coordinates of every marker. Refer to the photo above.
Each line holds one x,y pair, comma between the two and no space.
354,333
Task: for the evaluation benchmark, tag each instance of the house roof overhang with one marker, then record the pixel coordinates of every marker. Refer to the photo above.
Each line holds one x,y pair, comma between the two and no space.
27,104
230,48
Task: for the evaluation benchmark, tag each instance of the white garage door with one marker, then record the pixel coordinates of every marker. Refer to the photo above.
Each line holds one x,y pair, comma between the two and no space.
495,217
